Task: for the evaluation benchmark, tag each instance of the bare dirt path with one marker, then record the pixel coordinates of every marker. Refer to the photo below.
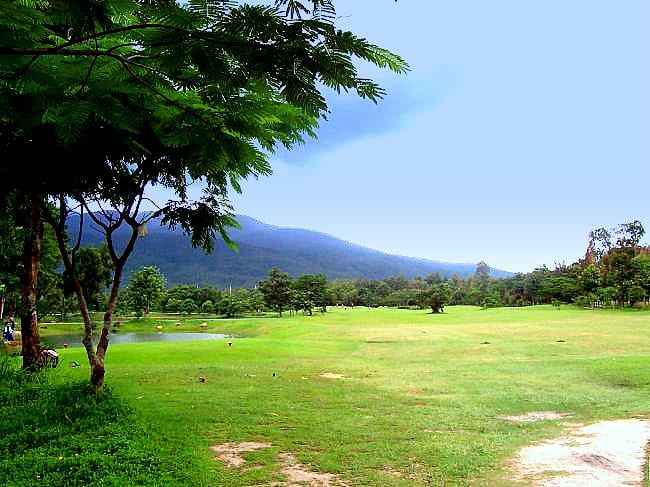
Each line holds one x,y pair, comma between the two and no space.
536,416
296,474
609,453
230,453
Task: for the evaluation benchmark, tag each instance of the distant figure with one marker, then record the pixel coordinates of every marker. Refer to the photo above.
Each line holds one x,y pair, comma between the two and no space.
8,332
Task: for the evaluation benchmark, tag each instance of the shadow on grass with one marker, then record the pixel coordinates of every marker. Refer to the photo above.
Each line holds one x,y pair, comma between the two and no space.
64,434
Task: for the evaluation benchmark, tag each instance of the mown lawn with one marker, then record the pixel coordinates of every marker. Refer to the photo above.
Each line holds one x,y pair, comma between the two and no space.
423,395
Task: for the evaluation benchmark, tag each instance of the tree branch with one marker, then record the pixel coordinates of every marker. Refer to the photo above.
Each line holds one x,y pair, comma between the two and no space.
81,226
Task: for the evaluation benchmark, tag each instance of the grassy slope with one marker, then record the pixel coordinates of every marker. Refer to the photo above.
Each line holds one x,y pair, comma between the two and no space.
422,394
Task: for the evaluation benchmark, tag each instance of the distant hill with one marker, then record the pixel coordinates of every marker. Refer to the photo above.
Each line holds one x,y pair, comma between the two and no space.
262,247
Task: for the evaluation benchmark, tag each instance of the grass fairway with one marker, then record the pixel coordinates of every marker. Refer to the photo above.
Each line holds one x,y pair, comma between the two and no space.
420,404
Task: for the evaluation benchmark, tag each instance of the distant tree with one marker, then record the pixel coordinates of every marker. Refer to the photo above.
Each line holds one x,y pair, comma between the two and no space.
314,292
54,301
256,300
343,293
403,298
459,291
207,307
482,277
619,272
397,283
276,290
145,289
234,304
600,243
491,300
641,268
299,300
179,293
372,293
629,234
188,306
435,297
587,300
434,278
636,294
589,279
173,305
607,295
94,269
559,288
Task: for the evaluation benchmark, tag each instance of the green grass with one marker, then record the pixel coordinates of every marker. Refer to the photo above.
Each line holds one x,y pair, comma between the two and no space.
423,393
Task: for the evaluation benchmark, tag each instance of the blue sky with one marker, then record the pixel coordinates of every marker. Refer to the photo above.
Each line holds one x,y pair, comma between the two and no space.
521,126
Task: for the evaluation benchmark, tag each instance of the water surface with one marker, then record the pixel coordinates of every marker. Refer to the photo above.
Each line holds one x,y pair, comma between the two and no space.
74,340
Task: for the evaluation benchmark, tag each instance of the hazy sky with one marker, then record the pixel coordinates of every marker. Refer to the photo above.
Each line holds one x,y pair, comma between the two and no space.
521,126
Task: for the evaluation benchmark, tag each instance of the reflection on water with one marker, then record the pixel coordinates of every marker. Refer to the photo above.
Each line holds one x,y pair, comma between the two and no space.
57,341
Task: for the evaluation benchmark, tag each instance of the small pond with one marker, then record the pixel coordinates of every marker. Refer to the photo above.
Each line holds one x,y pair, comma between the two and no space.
74,340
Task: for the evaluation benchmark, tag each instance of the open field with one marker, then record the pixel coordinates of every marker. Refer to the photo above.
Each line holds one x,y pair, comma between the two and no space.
421,400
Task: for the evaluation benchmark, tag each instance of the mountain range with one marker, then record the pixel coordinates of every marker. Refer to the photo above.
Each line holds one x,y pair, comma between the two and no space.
263,247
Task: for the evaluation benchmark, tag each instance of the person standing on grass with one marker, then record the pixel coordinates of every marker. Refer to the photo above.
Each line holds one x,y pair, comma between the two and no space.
8,331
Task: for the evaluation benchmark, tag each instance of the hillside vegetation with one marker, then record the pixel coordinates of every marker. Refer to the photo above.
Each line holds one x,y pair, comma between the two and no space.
262,247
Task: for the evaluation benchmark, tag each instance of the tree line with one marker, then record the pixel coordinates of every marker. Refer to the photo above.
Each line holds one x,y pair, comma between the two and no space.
614,272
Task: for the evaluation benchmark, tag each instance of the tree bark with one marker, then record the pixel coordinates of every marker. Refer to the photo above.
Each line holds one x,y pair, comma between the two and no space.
98,370
31,343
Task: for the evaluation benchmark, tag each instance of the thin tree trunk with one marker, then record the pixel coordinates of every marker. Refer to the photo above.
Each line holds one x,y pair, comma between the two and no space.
87,341
98,369
96,357
31,343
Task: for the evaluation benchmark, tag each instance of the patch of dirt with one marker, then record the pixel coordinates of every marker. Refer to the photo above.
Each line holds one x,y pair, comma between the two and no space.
598,455
392,472
230,453
298,474
536,416
332,375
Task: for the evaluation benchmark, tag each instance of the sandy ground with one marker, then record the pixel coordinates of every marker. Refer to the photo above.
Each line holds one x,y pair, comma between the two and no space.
536,416
331,375
296,474
605,454
230,453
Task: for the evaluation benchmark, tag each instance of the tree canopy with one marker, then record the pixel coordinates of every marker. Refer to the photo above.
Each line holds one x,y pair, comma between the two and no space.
129,94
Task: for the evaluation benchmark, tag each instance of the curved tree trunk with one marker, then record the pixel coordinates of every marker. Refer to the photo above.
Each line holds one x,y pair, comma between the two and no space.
97,369
31,342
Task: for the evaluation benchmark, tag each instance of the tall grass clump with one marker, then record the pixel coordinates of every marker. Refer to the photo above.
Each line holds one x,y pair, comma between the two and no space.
55,433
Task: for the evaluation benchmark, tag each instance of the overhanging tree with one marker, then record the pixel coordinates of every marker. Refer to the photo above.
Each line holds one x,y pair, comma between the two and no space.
120,96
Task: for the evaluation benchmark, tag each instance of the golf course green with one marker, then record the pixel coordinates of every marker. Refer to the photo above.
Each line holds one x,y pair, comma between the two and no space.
374,396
